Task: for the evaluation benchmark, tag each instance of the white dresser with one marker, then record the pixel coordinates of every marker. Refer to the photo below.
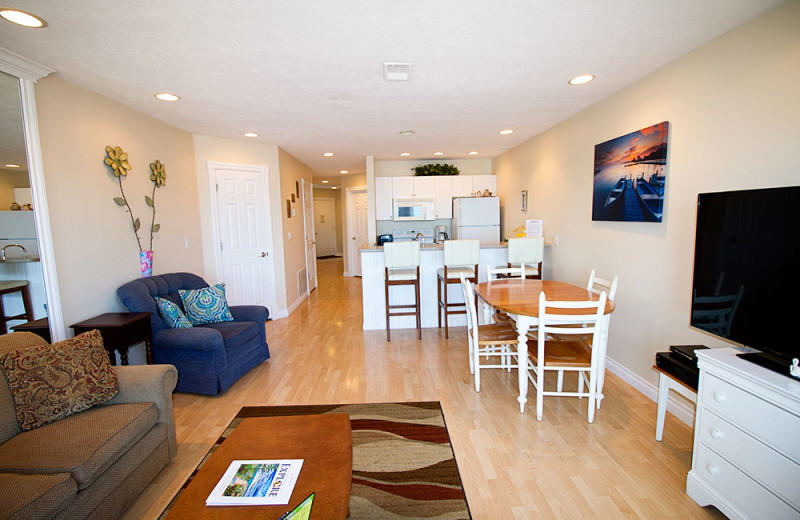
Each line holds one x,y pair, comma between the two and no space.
746,459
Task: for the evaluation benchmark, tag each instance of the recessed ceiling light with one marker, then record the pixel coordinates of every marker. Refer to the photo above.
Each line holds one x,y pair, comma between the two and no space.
506,131
473,153
334,188
251,134
166,96
13,166
343,172
405,132
438,153
324,182
405,154
328,154
580,80
22,18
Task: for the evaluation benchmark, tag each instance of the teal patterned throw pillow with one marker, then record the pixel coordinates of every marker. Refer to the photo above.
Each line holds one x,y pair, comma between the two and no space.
172,314
207,305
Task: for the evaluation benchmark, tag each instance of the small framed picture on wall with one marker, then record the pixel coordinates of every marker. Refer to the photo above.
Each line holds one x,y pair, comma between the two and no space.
524,201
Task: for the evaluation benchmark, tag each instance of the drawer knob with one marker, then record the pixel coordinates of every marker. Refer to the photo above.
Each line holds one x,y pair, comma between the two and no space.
716,433
712,469
719,397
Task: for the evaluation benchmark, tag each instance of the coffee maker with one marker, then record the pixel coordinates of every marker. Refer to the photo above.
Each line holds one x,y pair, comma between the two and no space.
441,234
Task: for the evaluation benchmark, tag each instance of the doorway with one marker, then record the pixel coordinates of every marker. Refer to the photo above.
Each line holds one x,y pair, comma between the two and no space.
242,233
310,237
325,227
357,228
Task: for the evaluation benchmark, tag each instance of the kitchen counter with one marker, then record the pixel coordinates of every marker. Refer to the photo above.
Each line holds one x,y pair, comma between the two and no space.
431,259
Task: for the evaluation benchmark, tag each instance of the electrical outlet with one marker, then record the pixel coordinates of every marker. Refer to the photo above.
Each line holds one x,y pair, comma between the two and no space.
186,243
555,240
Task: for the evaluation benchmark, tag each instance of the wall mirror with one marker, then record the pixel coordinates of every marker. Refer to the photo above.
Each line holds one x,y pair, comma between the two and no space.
27,266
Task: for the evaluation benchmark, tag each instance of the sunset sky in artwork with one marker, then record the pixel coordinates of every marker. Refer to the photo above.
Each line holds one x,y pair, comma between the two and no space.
627,147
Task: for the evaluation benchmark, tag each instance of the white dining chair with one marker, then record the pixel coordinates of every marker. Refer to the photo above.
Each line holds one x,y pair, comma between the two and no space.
490,341
490,314
598,285
568,342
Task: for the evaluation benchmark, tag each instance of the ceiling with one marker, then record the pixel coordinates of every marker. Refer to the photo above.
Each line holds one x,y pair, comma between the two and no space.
308,75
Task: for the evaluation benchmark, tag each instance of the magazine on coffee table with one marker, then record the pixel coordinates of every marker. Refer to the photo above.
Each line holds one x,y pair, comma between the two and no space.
256,482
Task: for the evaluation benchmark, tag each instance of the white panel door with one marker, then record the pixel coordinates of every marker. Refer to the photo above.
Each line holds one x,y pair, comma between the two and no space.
357,225
245,245
308,223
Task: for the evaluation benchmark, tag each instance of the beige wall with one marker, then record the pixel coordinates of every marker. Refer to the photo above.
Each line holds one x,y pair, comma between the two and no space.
291,171
95,248
231,151
734,108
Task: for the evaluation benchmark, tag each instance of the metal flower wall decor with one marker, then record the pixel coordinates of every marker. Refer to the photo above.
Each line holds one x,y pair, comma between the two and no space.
117,160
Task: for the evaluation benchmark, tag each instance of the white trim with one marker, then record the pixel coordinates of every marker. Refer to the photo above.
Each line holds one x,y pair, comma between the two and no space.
677,407
294,305
303,185
23,68
263,170
41,211
28,73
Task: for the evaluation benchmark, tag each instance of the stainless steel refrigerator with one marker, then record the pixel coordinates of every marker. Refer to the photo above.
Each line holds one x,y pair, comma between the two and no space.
477,217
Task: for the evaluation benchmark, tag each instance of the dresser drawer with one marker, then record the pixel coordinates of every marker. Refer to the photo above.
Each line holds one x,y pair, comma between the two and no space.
758,460
774,426
739,489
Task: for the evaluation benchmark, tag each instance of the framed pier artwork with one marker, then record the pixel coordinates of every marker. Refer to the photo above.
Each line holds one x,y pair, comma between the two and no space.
630,174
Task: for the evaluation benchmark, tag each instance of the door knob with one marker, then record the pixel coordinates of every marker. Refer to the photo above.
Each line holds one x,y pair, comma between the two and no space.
263,254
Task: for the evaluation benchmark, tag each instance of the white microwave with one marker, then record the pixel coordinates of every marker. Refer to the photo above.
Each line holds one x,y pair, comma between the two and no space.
413,209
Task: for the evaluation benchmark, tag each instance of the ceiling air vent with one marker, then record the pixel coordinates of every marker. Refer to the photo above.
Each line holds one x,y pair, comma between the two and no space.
396,71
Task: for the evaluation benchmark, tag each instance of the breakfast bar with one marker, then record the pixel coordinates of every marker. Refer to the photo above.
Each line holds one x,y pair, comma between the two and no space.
431,259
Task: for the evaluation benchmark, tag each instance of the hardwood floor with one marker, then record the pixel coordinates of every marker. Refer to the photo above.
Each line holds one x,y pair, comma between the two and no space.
511,465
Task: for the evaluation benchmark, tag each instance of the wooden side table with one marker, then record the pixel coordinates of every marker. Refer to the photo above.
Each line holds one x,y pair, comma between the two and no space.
120,330
40,327
667,382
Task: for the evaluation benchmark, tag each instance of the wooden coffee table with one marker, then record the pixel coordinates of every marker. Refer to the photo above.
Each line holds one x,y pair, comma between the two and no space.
323,442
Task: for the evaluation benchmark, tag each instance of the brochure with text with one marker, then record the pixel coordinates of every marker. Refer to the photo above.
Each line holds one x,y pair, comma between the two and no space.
256,482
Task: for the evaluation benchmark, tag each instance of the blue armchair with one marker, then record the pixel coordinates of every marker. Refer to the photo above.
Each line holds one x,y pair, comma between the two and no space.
210,357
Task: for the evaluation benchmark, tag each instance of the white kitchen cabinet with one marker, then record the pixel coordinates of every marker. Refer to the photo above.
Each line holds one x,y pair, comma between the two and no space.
443,197
746,459
484,182
461,186
413,187
383,198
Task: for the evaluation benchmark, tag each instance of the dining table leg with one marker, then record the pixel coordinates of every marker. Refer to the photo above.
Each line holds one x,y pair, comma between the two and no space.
523,324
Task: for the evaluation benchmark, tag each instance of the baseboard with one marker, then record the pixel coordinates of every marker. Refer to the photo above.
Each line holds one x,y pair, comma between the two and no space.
677,406
296,304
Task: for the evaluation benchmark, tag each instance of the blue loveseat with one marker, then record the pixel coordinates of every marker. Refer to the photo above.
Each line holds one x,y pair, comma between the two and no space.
209,357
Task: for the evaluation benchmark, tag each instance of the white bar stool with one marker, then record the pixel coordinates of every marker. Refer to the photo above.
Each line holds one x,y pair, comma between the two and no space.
528,251
401,262
460,257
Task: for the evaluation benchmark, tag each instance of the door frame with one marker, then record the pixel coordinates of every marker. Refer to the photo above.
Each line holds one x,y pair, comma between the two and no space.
348,210
303,185
263,172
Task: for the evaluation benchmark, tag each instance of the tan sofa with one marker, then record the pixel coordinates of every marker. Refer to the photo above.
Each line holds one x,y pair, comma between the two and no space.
92,464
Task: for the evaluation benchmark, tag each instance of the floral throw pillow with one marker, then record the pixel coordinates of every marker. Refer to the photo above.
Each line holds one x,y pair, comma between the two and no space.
50,382
206,305
172,314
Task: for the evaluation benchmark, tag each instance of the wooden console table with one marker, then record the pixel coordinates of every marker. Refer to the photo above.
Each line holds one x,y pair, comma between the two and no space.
120,330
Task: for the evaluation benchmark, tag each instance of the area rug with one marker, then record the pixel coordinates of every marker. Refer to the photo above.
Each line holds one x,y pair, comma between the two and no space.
403,462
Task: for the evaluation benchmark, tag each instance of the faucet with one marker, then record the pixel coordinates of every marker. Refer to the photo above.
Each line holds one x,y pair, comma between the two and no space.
420,235
3,252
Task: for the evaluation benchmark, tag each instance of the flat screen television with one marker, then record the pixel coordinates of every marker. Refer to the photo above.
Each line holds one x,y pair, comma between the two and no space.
746,284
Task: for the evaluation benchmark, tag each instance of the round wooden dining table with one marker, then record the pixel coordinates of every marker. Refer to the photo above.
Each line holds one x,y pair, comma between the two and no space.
519,298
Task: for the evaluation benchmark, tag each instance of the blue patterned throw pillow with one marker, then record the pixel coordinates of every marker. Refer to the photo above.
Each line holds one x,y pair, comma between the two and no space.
207,305
172,314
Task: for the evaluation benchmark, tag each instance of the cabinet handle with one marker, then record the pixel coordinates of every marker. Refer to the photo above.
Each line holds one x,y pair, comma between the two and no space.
719,397
712,469
716,433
